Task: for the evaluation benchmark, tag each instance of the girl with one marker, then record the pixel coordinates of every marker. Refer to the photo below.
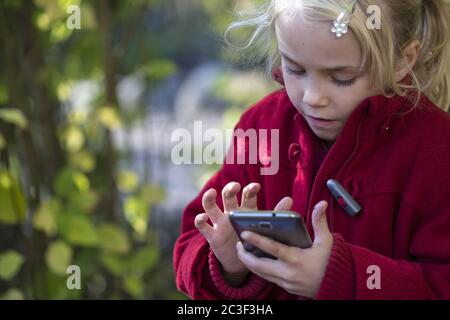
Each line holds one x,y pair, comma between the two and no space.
364,106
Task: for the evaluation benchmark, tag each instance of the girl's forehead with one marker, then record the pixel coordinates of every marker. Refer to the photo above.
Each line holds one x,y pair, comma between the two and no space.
313,41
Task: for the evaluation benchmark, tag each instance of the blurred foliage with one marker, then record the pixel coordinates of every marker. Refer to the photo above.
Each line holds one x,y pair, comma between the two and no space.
67,195
63,198
10,263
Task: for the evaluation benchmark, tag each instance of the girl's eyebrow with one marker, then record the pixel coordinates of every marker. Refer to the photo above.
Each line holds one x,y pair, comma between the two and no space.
336,68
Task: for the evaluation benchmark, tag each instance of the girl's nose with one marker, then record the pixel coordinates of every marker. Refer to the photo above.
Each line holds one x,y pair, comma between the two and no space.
314,97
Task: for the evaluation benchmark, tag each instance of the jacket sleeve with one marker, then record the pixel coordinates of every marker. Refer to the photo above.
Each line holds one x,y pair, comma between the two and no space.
197,270
352,269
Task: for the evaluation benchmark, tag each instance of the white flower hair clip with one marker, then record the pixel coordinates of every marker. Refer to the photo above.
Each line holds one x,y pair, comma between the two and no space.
340,25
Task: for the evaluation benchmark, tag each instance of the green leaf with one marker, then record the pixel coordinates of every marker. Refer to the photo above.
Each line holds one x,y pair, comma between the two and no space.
56,286
113,264
12,294
87,260
59,31
10,264
113,239
77,117
73,138
12,200
143,260
127,181
77,229
70,181
82,202
83,161
64,89
63,4
45,217
153,193
137,212
109,117
14,116
58,257
134,286
160,69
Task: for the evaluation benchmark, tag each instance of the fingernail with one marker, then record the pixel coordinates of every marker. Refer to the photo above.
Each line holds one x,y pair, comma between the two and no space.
245,235
321,205
208,195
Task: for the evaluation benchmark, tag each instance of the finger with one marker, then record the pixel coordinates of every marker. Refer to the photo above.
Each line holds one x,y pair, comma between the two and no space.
284,204
274,248
263,267
249,196
201,223
319,222
274,272
210,205
229,196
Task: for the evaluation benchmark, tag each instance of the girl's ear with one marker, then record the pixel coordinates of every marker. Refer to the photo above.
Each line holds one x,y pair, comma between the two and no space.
277,75
410,54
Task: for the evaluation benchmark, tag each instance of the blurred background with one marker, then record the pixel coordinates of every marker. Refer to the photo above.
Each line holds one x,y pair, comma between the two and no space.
86,117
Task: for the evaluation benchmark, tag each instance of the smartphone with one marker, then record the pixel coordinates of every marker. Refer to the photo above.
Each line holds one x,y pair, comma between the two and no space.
283,226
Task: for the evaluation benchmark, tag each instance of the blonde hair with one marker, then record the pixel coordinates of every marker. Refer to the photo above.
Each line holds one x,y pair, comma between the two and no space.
402,21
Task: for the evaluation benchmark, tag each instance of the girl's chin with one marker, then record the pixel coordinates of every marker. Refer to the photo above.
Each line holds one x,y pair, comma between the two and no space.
327,135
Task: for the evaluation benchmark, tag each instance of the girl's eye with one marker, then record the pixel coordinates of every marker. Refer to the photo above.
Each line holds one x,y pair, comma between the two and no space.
344,83
295,72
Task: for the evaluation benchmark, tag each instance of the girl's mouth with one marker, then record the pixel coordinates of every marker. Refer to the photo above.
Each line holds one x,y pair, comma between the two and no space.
320,119
321,123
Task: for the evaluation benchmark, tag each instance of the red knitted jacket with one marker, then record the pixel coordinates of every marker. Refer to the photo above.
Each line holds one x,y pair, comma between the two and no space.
397,167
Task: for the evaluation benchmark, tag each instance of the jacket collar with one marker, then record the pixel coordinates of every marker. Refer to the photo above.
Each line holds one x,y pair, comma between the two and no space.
376,111
371,119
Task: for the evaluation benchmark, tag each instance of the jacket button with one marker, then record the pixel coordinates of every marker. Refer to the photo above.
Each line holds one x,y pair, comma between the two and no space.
294,152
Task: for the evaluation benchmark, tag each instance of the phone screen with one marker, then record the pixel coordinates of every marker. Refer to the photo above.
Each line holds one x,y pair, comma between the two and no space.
286,227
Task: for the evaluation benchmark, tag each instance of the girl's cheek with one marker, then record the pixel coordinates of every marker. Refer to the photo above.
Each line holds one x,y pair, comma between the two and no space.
293,87
295,94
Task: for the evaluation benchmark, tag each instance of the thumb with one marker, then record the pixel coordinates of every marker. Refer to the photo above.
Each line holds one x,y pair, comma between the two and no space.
319,222
284,204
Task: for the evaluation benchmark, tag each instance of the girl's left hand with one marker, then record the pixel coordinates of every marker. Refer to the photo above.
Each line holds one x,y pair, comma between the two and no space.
298,271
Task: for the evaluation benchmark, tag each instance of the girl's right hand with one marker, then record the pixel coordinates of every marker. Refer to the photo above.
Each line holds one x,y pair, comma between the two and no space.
221,236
